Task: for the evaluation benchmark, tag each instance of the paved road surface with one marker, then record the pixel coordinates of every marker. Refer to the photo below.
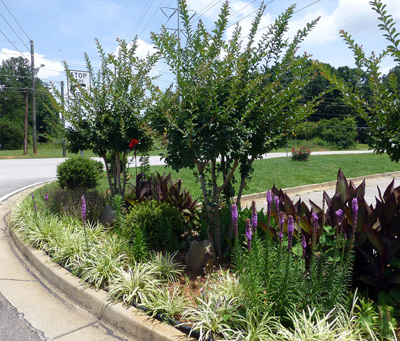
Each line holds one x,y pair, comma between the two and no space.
16,174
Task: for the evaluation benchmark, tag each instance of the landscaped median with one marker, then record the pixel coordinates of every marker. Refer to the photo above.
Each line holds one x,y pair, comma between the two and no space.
293,266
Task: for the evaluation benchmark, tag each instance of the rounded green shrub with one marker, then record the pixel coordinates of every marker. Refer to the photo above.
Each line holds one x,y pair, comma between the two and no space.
163,225
79,172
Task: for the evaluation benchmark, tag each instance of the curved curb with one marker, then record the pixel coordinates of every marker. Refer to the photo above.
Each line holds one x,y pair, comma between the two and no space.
8,195
130,320
299,190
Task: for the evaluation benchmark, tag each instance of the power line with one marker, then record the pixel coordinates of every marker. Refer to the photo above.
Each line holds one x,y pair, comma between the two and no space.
200,14
57,49
14,32
16,20
12,43
137,26
151,18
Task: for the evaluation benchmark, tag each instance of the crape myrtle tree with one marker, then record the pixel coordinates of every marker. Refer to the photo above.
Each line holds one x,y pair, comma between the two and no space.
232,103
108,117
381,109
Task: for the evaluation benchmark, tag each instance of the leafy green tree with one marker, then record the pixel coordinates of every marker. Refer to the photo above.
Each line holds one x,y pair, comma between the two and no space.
232,103
107,117
381,110
15,78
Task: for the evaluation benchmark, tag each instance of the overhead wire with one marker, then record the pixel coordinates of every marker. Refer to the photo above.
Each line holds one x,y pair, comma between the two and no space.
15,32
11,43
15,20
137,26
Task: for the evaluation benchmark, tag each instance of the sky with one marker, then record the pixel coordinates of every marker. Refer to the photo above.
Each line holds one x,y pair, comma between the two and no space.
65,30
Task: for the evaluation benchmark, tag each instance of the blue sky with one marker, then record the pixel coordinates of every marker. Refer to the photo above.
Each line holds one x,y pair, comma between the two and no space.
64,30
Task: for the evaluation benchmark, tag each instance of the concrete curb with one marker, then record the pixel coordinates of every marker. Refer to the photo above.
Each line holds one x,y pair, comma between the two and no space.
5,197
130,320
299,190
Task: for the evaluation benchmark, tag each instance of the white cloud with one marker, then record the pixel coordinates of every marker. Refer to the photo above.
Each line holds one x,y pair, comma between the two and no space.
50,70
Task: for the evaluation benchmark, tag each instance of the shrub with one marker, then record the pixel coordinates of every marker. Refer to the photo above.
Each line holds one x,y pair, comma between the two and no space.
79,172
340,133
68,202
300,155
163,226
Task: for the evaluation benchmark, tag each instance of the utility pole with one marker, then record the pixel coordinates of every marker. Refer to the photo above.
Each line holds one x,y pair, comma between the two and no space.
33,99
64,154
26,91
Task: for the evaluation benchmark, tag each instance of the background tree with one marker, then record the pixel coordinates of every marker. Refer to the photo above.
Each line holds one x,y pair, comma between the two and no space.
15,75
381,109
106,118
232,103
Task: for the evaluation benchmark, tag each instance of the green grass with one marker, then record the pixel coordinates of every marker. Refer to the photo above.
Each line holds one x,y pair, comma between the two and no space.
49,151
287,173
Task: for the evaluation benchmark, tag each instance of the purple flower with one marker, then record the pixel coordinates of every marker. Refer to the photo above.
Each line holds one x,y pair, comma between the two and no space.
254,215
277,203
34,206
315,222
281,222
290,227
248,233
46,197
304,244
339,217
33,196
235,215
269,197
83,208
354,206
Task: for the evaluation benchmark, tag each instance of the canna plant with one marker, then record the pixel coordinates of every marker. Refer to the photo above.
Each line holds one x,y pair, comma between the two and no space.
163,189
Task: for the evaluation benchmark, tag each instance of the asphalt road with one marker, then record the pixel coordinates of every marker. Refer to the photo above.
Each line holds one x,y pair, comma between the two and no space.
16,174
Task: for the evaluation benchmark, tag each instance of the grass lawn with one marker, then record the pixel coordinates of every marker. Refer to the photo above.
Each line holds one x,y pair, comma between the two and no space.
48,151
287,173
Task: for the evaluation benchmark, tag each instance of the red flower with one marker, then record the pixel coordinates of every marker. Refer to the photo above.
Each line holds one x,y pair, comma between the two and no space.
133,143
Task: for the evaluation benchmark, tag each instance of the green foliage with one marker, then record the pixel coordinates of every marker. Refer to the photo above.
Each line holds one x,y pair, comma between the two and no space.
106,118
118,204
381,109
67,202
11,134
302,154
154,219
138,247
163,189
166,266
340,133
79,172
250,92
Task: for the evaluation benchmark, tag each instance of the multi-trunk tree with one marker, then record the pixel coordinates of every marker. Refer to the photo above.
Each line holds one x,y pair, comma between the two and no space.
109,116
233,102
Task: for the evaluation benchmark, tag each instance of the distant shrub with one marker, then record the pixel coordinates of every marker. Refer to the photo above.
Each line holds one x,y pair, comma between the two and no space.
79,172
300,155
340,133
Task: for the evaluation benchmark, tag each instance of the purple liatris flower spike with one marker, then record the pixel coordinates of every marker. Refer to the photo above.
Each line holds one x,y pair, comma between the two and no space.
277,203
235,215
315,222
304,244
339,217
290,227
354,206
46,197
248,233
269,197
254,215
281,222
83,208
